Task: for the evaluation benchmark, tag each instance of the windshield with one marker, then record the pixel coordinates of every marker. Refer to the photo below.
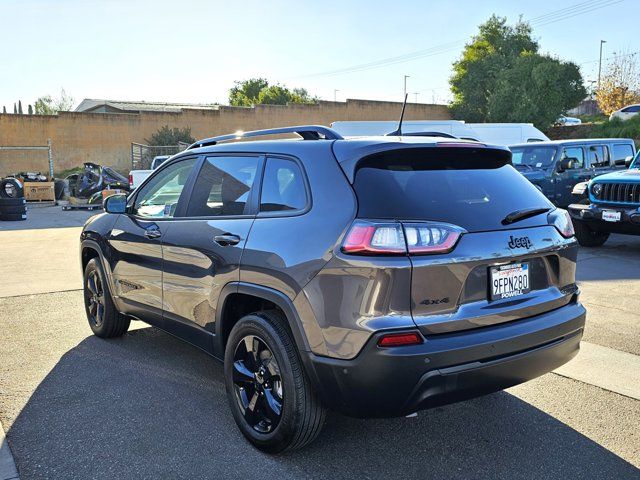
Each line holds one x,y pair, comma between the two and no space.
533,156
636,161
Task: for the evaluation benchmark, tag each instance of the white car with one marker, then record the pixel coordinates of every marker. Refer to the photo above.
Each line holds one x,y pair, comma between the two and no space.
136,177
626,113
566,121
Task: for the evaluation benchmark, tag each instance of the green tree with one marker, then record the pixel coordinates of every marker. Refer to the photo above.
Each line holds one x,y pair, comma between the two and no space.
535,89
47,105
170,136
4,109
485,81
15,109
255,91
30,109
20,107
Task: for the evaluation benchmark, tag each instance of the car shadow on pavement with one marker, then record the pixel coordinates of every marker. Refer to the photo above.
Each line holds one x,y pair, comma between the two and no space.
150,406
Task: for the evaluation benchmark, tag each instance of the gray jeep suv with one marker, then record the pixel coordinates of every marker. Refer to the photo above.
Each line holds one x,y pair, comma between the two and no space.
372,276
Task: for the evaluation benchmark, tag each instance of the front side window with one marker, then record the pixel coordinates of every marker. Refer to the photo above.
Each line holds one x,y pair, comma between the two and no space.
223,187
598,156
283,187
159,197
576,155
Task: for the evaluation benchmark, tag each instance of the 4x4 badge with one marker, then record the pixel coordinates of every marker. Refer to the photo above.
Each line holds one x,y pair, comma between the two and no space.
519,242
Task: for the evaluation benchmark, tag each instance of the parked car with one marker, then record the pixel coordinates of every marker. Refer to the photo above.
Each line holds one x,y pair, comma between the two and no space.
136,177
555,167
563,120
626,113
376,277
494,133
614,206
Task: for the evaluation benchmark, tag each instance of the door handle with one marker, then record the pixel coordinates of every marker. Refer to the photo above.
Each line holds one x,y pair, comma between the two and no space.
227,239
152,232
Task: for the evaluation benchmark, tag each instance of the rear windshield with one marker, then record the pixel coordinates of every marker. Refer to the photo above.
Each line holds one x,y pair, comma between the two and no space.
469,188
533,157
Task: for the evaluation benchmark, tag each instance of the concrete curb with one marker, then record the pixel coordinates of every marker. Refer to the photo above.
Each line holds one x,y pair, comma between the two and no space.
8,469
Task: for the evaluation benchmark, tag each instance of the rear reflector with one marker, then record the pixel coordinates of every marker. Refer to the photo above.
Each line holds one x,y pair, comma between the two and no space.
130,180
400,339
393,238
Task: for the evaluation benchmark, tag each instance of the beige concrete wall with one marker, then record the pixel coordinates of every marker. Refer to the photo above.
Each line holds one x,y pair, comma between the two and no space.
106,138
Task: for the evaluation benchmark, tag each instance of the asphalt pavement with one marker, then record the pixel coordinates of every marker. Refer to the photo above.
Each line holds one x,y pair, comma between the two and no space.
150,406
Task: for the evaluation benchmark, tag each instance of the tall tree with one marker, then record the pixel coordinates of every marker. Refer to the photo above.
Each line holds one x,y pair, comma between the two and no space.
486,80
20,107
255,91
4,109
620,84
47,105
15,108
30,110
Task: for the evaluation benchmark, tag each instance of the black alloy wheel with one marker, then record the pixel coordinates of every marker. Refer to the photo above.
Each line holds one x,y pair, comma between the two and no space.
258,384
94,293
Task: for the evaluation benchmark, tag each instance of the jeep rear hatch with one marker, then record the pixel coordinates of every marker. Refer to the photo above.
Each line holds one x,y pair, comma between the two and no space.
466,219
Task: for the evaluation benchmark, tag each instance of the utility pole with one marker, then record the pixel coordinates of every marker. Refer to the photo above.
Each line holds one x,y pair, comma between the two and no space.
335,95
405,85
600,62
416,94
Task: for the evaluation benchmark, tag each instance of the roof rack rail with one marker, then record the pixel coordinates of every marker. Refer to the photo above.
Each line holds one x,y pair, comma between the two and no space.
307,132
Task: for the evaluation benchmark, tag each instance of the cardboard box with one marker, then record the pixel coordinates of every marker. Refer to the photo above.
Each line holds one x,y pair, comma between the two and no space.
39,191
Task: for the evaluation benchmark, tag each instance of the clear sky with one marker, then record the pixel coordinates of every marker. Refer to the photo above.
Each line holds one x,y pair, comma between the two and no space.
193,50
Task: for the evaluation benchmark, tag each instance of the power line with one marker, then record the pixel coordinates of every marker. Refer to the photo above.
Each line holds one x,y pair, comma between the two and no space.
542,20
612,57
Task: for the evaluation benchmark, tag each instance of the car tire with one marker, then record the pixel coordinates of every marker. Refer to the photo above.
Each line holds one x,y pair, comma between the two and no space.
12,202
13,209
253,382
104,319
11,188
12,217
588,237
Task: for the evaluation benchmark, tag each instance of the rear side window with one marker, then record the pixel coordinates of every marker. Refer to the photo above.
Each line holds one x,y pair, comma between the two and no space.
223,187
598,156
283,187
465,187
622,151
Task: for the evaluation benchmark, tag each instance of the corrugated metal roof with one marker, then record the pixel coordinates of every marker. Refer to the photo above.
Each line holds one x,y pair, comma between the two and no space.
89,104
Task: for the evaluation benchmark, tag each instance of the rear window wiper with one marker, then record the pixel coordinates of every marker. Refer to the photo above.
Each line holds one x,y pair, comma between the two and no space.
522,214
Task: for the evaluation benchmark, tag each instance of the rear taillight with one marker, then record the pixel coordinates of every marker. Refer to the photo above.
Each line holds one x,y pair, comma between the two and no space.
130,180
561,219
393,238
400,339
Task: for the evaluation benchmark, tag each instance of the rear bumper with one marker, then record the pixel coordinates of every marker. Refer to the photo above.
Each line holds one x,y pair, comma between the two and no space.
386,382
592,215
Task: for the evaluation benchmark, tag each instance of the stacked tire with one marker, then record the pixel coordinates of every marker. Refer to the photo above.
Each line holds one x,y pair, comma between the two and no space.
13,206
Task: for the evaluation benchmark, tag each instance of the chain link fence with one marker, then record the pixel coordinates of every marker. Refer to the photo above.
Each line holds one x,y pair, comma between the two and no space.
142,155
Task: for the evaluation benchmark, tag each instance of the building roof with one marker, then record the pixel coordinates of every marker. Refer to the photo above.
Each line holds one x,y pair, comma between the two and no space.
127,106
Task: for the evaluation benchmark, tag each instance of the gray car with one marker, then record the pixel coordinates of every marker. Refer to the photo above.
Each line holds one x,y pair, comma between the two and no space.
373,276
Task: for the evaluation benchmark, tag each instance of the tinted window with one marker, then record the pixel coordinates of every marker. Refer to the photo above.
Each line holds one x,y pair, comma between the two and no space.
282,187
622,151
598,156
632,109
223,187
576,155
159,197
437,184
535,157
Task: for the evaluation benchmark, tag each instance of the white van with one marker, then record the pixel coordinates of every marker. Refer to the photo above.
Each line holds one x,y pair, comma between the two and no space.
493,133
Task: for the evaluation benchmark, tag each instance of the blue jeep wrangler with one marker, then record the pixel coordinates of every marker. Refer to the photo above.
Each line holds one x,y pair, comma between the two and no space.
614,206
555,167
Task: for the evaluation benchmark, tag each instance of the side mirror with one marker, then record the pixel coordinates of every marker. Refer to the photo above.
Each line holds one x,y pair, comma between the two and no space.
564,164
115,204
628,160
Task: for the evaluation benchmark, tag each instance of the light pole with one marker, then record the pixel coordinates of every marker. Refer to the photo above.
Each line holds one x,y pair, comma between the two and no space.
405,85
600,62
416,94
335,95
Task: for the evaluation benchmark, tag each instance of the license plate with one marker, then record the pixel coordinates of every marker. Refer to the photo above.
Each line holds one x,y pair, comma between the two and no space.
610,216
509,281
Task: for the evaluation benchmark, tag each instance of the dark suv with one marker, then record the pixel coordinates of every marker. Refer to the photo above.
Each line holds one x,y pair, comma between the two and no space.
556,166
373,276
